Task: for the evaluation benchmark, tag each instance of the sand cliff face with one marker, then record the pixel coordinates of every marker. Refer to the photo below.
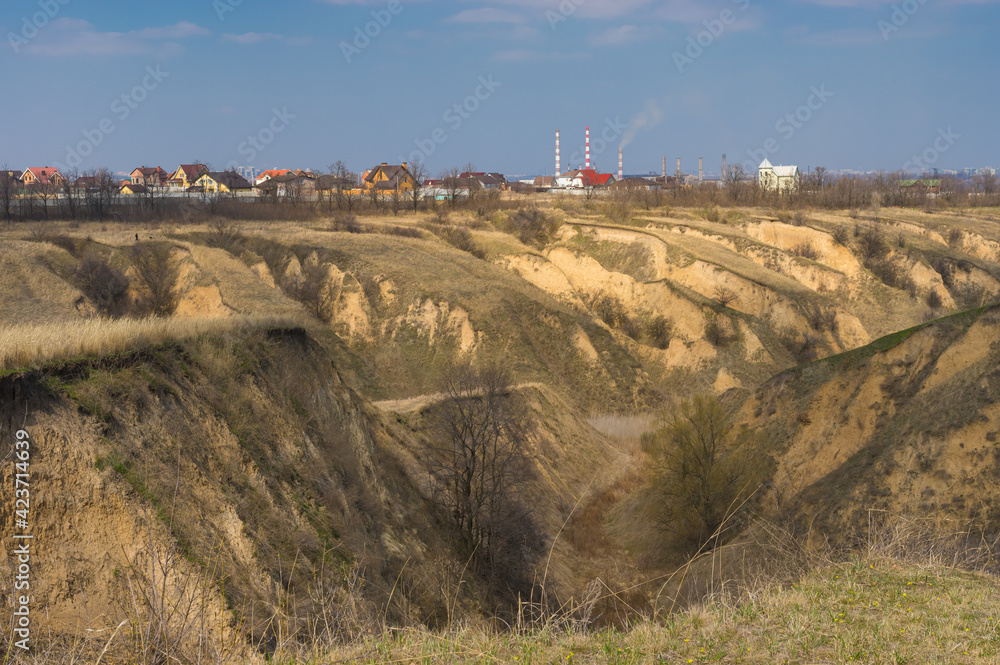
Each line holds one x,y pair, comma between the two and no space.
245,460
906,426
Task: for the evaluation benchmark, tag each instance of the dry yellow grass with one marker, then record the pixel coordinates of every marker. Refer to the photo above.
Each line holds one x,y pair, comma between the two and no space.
30,344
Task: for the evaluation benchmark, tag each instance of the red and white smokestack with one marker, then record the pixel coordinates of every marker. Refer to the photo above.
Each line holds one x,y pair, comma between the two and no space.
558,160
588,147
620,163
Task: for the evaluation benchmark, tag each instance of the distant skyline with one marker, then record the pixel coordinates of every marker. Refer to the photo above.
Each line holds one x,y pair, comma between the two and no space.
845,84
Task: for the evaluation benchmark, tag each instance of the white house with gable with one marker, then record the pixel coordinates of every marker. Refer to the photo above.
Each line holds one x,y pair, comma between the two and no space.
778,178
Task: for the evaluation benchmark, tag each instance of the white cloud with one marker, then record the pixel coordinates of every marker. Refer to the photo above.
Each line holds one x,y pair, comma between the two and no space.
485,15
527,55
249,38
624,34
70,37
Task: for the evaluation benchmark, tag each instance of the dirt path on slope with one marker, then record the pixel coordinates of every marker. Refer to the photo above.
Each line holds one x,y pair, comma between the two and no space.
420,402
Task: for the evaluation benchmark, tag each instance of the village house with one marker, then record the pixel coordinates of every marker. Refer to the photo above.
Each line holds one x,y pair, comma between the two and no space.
267,175
921,186
34,176
584,178
186,175
386,177
291,184
150,176
221,182
130,188
485,180
778,178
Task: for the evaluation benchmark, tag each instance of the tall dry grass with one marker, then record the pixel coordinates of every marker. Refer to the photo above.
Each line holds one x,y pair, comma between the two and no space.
29,345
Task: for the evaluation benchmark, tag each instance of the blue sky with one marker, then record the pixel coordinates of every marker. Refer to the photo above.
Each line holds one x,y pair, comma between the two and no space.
846,84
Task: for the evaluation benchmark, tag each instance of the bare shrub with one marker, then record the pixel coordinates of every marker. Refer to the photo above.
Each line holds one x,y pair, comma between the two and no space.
822,319
970,295
402,231
804,350
659,331
800,218
805,250
314,289
157,276
712,214
347,222
871,243
855,213
717,332
458,237
441,215
955,236
841,234
532,226
725,296
104,285
784,217
934,300
609,309
946,269
225,234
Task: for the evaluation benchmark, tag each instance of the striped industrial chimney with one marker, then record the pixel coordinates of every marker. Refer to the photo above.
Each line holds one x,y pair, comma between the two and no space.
701,169
621,171
678,168
558,160
588,147
664,167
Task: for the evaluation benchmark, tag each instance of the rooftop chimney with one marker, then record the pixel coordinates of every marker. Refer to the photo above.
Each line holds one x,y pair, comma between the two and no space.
588,147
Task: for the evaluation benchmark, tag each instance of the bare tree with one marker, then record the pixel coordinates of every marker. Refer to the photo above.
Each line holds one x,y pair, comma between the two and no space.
71,193
396,193
735,182
452,181
157,274
9,187
986,182
725,296
45,192
470,181
419,173
481,465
